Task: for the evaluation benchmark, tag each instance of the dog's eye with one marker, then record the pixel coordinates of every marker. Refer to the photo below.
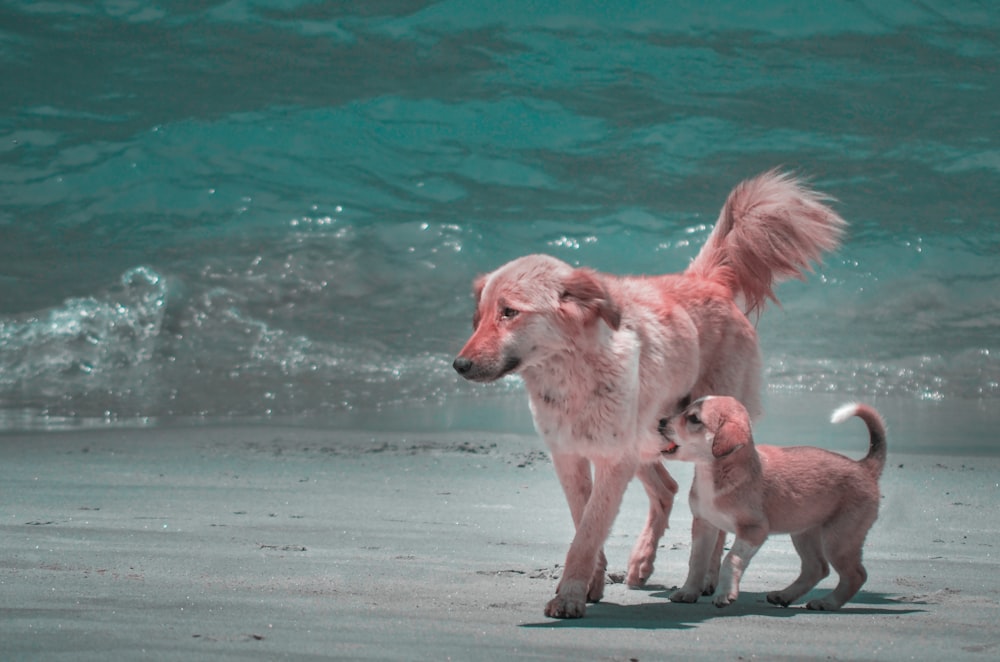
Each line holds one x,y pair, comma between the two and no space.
693,419
508,313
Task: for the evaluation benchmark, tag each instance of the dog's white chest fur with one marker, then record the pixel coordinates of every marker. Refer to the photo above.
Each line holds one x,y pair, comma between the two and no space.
702,499
591,405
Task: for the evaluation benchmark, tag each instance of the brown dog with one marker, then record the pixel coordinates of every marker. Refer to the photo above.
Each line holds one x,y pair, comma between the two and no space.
828,502
603,356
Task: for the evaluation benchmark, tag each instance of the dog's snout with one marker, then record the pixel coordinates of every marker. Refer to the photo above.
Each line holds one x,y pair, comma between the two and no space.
462,365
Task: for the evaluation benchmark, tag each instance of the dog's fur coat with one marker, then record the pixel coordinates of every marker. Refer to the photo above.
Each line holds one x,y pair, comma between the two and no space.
828,502
603,357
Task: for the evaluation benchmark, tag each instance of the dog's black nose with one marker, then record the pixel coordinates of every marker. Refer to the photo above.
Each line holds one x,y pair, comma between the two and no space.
462,365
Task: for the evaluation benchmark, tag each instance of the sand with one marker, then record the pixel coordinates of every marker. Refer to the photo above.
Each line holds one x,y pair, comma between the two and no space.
268,543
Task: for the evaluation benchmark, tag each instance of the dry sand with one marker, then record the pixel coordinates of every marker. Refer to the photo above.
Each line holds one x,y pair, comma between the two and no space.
280,543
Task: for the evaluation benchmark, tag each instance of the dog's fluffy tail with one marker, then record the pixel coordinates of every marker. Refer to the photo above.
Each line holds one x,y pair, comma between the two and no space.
875,459
770,229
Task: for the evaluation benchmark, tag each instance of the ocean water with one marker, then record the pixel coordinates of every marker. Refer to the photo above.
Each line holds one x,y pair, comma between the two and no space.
272,211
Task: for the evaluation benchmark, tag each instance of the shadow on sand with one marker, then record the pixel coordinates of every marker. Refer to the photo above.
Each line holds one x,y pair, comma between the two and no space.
670,616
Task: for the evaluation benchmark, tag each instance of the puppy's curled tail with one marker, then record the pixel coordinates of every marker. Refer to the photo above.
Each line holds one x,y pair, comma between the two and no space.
875,460
770,229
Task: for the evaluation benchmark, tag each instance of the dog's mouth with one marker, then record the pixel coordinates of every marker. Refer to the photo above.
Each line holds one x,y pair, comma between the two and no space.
670,448
474,372
512,364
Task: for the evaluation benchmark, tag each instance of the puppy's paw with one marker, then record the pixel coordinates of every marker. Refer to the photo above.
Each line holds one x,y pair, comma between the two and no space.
710,582
778,598
560,607
723,600
685,594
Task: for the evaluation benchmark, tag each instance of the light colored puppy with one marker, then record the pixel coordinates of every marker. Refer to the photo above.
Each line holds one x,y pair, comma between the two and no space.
602,356
828,502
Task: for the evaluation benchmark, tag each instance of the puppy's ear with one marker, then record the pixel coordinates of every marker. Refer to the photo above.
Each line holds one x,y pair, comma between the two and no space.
731,436
584,288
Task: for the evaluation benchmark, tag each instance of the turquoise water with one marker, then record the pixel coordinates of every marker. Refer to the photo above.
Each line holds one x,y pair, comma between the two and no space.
273,210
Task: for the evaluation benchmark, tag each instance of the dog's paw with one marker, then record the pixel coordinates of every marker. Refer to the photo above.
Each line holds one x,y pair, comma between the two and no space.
708,588
560,607
685,594
636,577
596,590
778,598
822,605
640,568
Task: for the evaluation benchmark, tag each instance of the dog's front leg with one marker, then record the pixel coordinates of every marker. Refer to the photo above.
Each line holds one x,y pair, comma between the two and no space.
574,476
703,539
744,547
592,529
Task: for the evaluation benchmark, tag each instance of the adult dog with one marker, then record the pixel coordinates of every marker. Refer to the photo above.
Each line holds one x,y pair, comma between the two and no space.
828,502
603,357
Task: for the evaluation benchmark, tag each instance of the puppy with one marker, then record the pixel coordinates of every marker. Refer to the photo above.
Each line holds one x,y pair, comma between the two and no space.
602,355
828,502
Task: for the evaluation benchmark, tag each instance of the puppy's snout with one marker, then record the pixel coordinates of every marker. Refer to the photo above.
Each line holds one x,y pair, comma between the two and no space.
666,430
462,365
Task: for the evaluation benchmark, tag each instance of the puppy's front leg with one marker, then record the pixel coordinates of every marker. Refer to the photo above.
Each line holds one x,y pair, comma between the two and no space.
703,538
610,480
735,563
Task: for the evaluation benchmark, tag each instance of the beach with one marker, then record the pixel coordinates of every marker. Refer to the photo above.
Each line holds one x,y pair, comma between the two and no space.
275,542
238,242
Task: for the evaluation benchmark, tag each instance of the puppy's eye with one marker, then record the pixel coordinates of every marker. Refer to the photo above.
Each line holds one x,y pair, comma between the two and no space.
508,313
693,419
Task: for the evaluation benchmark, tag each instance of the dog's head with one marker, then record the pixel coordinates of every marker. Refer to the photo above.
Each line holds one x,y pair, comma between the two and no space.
528,309
711,428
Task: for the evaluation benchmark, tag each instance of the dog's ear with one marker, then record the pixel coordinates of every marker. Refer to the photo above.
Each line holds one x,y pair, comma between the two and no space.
478,285
584,288
732,435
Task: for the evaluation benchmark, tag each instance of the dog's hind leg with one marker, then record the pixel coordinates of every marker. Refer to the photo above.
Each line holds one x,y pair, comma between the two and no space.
592,529
661,488
809,545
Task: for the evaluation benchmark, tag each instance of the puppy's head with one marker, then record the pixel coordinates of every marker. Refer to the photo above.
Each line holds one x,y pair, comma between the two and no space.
711,428
528,309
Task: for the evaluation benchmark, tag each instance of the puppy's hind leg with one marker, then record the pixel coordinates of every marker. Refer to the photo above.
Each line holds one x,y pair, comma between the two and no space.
842,542
809,545
661,488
